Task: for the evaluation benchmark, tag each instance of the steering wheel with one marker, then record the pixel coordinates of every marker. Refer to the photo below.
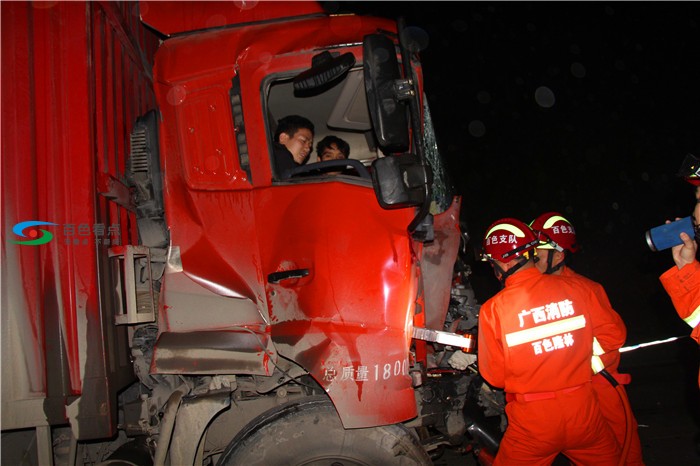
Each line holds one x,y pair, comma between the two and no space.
322,167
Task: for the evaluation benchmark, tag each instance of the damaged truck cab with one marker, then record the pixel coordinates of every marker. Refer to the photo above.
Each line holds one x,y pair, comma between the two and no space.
281,318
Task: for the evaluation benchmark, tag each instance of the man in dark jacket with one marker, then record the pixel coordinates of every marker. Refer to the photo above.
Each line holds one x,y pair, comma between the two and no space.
294,139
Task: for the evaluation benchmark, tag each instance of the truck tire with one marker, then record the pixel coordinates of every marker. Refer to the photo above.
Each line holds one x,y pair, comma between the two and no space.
310,433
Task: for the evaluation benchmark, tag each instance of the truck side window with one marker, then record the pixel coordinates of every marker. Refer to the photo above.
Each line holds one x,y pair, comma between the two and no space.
339,111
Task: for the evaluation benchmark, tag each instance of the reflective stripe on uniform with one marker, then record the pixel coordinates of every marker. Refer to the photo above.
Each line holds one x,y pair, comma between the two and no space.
597,363
544,331
693,319
597,349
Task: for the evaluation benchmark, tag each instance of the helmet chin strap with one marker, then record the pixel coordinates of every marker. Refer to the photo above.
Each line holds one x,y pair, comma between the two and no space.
550,270
503,274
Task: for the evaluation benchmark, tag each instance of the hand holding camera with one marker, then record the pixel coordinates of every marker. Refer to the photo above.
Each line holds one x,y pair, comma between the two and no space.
669,235
684,253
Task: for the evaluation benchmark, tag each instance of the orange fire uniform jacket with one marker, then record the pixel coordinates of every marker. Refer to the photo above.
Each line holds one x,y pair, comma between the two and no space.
608,397
683,286
536,342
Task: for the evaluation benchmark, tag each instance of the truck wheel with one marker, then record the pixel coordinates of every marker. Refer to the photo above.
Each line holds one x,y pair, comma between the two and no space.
310,433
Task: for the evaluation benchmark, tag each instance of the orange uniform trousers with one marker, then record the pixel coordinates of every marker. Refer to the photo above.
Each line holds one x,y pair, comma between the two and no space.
569,422
614,413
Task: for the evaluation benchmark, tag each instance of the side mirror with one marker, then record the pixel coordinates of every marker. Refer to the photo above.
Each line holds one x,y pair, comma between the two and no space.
400,181
383,86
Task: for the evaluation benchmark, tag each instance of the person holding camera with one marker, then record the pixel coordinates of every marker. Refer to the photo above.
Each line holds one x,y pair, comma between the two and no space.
682,282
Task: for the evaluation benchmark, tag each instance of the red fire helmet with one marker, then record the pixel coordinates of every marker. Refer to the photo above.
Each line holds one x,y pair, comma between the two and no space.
507,239
555,232
690,170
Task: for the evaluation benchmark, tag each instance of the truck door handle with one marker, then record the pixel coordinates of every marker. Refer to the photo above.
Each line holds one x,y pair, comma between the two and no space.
276,277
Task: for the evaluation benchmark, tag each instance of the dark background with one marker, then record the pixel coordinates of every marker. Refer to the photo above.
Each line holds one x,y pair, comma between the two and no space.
602,141
588,109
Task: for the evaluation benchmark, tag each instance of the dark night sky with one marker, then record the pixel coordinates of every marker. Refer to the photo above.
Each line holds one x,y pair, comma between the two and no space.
586,108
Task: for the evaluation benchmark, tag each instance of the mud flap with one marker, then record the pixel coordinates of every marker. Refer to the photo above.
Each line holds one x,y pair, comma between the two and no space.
194,415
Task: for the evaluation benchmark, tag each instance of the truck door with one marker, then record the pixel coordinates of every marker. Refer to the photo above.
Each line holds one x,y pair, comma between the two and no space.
340,274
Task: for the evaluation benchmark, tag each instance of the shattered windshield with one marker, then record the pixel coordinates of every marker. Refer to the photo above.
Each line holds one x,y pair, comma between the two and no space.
442,191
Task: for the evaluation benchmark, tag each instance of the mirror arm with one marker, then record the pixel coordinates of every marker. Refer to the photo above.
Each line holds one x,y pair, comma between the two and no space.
403,89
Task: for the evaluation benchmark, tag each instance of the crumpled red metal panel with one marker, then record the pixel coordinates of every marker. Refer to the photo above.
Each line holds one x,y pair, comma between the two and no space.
170,18
437,265
349,321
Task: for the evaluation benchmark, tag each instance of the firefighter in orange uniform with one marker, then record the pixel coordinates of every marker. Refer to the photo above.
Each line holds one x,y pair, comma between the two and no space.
557,240
682,282
536,342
